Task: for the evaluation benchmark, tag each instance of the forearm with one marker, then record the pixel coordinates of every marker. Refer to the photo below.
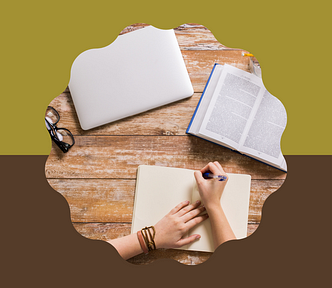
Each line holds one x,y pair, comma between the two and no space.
167,233
127,246
221,230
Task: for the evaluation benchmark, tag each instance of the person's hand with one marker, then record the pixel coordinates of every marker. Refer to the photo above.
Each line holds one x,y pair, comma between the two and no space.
211,190
172,227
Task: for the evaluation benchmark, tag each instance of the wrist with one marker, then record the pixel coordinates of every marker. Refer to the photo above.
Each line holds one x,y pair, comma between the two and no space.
213,206
148,234
157,238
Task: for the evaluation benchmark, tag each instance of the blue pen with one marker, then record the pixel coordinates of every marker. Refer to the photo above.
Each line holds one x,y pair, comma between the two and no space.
211,176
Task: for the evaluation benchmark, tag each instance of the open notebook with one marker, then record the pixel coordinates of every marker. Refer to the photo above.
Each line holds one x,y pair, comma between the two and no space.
160,189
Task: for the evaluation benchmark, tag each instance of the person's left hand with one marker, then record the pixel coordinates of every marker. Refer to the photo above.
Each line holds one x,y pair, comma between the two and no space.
172,227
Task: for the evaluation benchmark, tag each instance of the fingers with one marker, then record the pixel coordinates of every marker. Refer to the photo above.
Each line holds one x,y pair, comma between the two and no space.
178,207
219,166
188,240
199,177
212,168
188,208
215,168
196,220
192,223
193,213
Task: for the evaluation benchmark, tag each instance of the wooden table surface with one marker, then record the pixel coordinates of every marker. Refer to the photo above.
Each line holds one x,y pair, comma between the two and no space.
97,176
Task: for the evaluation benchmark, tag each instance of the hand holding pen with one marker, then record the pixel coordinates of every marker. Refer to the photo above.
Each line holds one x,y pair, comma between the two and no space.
210,189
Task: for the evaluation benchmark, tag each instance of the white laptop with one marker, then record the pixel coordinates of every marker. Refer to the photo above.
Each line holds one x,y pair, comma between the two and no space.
140,70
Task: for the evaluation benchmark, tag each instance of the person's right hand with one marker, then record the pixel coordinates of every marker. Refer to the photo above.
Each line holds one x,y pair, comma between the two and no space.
211,190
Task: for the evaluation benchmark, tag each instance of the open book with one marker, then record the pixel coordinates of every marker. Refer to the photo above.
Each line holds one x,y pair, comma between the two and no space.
236,111
160,189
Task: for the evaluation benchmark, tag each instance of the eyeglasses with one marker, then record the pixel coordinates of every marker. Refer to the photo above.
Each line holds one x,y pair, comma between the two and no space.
61,136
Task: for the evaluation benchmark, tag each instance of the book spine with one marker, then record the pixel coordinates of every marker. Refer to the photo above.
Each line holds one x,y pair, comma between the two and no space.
199,102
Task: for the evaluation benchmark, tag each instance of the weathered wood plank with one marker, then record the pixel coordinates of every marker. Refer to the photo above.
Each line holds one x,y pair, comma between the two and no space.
190,36
200,63
172,119
182,256
112,200
103,231
133,27
108,231
119,157
97,200
197,37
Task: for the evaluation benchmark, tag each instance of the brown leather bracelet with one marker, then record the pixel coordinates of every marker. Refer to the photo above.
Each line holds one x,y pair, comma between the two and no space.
149,238
141,242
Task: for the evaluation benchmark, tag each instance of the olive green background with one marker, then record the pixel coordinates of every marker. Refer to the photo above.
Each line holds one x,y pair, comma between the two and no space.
40,40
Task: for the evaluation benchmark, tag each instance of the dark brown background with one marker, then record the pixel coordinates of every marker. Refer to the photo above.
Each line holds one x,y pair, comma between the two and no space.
291,247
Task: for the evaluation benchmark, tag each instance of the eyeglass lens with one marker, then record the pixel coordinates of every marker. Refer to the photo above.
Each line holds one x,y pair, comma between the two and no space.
65,136
61,134
52,116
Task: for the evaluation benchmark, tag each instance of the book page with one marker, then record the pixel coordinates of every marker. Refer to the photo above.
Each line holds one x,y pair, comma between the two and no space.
235,203
264,135
158,191
234,100
205,99
205,243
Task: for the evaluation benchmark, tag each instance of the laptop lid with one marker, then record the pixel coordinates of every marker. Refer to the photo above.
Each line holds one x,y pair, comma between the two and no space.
140,70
